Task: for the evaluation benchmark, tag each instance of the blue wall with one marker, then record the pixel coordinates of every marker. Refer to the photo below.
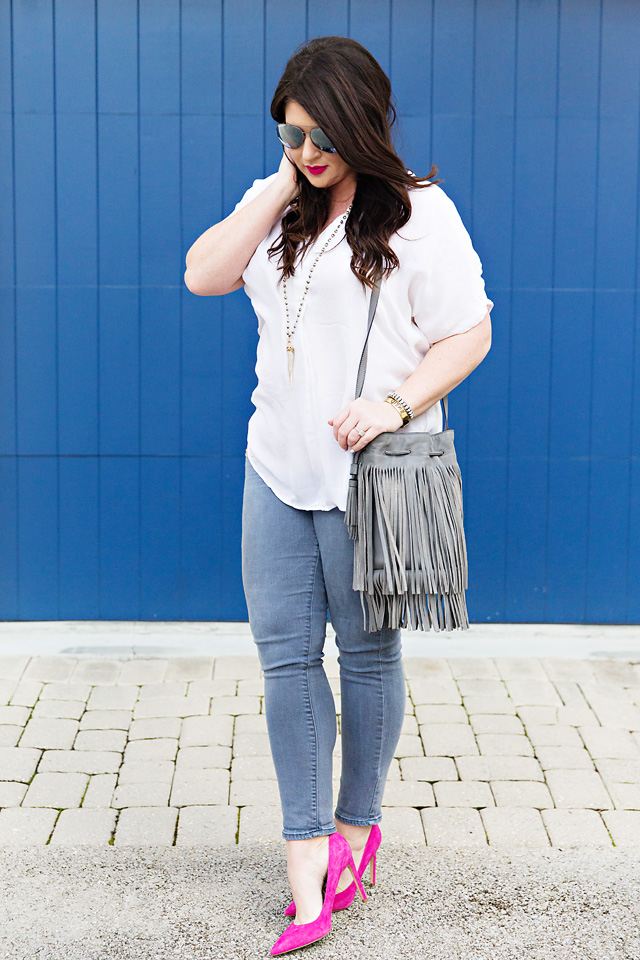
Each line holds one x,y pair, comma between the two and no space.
129,128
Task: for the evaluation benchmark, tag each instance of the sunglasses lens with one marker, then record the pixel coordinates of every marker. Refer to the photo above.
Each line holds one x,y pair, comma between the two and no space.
321,141
290,136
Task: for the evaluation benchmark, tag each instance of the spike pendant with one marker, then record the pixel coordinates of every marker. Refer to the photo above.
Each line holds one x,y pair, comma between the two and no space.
290,353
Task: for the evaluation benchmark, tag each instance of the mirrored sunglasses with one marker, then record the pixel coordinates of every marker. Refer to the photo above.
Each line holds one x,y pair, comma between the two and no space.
292,136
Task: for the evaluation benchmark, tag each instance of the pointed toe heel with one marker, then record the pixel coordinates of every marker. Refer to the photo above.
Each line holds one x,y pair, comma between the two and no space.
300,934
345,897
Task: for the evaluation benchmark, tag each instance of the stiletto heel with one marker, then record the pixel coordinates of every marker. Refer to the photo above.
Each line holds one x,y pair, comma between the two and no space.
357,880
300,934
346,897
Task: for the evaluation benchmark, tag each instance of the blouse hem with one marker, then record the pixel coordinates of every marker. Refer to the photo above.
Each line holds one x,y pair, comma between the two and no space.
296,506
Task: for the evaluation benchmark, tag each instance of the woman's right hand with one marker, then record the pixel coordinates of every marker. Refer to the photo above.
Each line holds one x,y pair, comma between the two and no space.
288,173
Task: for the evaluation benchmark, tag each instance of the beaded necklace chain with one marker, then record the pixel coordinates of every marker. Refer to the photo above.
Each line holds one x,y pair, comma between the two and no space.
290,350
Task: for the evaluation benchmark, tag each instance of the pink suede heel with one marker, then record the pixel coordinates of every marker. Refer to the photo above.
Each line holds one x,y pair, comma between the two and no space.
300,934
345,897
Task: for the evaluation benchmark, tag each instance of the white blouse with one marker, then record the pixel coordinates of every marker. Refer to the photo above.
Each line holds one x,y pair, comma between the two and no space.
436,292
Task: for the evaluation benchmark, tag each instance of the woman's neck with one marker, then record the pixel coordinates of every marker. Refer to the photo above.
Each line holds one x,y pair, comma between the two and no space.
341,196
342,193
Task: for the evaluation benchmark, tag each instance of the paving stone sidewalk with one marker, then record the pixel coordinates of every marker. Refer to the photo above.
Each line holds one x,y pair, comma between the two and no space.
495,752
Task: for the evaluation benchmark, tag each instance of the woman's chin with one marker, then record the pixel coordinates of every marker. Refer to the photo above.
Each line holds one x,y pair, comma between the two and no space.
317,179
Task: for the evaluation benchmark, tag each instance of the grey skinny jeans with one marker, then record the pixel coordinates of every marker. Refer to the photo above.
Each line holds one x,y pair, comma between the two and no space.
296,564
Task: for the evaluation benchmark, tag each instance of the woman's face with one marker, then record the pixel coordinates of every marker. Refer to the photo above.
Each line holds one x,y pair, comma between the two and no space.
330,169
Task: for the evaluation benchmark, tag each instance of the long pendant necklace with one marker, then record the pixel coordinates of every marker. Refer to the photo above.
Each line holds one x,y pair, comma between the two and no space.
290,350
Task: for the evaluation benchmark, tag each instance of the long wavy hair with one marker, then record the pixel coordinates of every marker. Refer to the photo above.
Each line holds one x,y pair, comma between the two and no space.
348,94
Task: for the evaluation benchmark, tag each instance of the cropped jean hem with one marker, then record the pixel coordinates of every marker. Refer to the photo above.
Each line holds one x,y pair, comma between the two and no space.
357,821
309,834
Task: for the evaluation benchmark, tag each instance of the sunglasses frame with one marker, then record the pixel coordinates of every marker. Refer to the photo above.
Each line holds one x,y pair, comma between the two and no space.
332,149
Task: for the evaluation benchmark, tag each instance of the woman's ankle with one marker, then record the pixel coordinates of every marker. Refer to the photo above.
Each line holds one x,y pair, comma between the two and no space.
307,858
354,834
307,847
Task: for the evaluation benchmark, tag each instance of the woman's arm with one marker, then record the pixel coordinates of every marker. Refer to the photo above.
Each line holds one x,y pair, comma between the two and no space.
446,364
216,261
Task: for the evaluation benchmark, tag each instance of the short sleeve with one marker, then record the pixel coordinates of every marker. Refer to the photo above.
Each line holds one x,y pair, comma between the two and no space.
446,290
254,190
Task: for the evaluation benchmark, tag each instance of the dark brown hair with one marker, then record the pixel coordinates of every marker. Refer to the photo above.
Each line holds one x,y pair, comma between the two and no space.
348,94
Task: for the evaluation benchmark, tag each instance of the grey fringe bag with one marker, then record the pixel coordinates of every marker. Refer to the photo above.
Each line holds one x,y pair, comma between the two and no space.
404,513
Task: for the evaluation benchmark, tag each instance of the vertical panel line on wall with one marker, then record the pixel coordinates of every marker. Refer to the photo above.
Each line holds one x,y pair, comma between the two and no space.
390,44
15,315
593,324
222,101
139,197
467,394
181,591
634,455
264,86
56,308
431,79
508,333
98,304
552,308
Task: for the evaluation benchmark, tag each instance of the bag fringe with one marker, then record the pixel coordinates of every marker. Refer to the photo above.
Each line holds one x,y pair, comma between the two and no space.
409,520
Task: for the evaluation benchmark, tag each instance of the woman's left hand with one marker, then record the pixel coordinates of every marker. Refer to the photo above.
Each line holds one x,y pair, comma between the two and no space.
373,418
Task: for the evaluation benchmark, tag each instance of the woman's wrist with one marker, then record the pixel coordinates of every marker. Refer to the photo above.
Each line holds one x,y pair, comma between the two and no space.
286,183
400,406
394,395
285,192
397,408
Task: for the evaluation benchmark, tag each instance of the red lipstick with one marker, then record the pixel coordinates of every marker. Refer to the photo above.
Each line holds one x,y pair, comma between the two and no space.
317,170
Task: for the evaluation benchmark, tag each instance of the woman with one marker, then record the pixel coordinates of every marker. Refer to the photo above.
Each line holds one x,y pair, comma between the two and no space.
305,242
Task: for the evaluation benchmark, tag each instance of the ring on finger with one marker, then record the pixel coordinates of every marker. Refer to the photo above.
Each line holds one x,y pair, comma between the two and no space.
361,432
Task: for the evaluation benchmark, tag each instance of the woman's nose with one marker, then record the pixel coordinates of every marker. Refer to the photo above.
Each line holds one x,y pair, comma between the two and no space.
310,153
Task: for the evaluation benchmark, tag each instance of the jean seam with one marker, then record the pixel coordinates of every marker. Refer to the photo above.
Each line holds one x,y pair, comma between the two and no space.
380,727
314,724
380,738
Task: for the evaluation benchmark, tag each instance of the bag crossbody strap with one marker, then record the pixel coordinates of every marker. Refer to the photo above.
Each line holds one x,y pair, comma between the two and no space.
362,369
